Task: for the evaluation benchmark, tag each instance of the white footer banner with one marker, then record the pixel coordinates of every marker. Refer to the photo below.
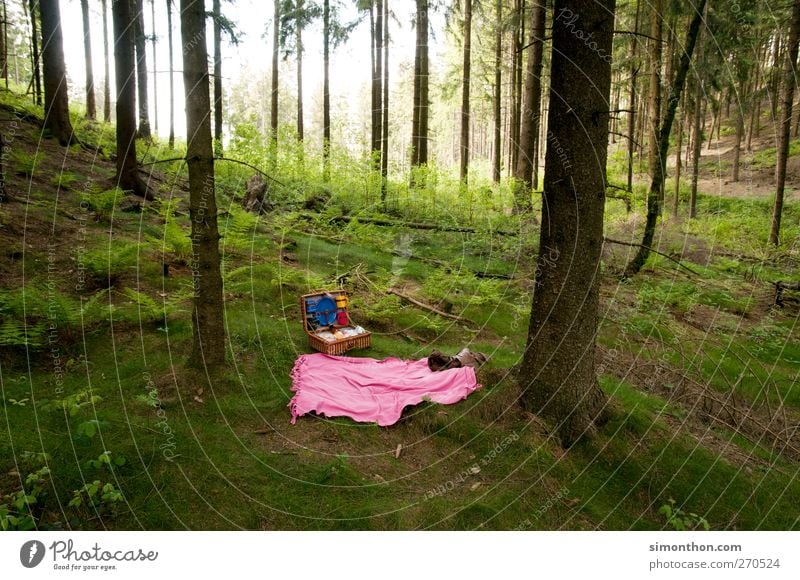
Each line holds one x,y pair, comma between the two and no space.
380,555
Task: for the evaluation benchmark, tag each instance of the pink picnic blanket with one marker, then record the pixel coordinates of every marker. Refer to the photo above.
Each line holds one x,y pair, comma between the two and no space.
372,391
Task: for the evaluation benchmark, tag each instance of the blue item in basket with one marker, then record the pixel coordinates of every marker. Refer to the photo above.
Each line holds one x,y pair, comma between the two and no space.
326,311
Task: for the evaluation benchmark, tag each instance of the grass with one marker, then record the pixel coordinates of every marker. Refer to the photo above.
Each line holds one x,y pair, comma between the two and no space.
220,453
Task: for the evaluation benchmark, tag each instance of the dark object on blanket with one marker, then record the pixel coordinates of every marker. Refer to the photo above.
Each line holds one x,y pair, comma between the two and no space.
438,361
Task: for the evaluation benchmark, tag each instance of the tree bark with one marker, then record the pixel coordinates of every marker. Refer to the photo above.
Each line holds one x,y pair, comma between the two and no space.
208,346
678,146
557,373
155,65
385,111
37,74
634,72
299,42
56,101
656,192
465,82
377,87
529,123
419,120
497,153
106,68
697,143
273,112
141,70
4,44
127,178
326,93
216,15
171,78
786,118
654,104
91,106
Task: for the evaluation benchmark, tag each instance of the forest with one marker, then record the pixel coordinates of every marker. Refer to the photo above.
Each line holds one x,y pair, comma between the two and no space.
600,199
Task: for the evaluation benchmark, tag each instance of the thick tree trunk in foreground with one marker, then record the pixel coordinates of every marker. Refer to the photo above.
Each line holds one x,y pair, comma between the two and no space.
557,373
656,192
91,106
56,102
127,177
208,348
140,42
786,119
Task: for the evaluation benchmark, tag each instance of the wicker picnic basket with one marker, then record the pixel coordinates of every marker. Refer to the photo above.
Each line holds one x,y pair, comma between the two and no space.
334,347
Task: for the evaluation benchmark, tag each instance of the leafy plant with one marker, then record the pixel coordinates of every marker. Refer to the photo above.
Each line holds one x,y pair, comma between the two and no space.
102,203
107,264
681,520
19,510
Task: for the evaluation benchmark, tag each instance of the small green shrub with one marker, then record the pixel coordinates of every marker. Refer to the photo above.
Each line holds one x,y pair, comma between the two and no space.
106,265
681,520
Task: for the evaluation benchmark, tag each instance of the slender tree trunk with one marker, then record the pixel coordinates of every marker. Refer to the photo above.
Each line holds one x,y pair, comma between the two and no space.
786,118
326,94
273,112
385,120
557,373
171,78
37,73
632,103
106,68
91,107
127,178
497,152
141,69
155,65
464,165
415,108
299,42
654,104
677,197
740,113
208,346
756,111
4,45
419,131
656,192
697,143
377,87
216,13
56,102
529,123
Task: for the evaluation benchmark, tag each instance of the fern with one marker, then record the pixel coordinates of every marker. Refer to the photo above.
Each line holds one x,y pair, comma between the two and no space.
106,265
237,231
102,203
175,241
151,310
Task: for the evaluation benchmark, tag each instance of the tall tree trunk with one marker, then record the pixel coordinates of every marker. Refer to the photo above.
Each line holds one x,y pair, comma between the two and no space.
216,15
497,153
786,118
385,120
127,178
755,113
464,165
326,93
37,74
419,120
740,113
56,102
697,143
529,124
4,45
208,345
656,192
273,111
377,85
141,69
155,64
557,373
654,104
299,43
678,145
91,107
171,78
634,72
106,67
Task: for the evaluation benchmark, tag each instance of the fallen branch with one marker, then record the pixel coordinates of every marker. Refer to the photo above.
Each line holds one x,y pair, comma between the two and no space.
411,225
428,307
239,161
780,287
667,256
